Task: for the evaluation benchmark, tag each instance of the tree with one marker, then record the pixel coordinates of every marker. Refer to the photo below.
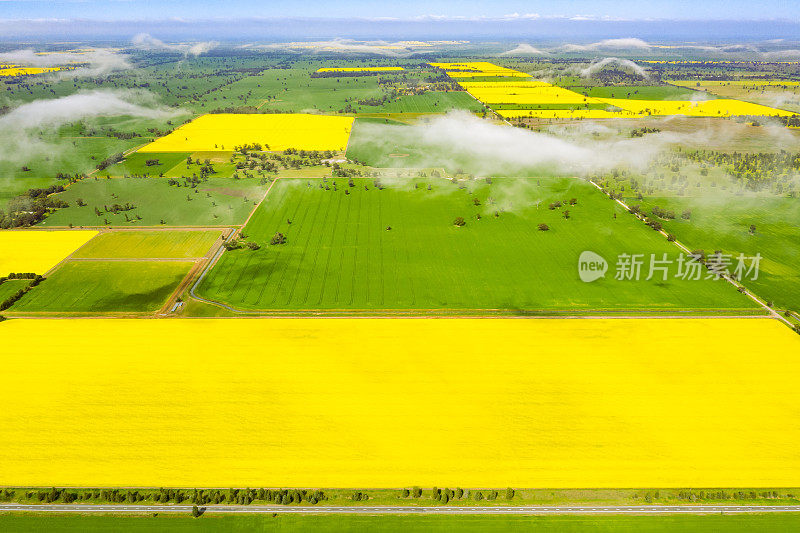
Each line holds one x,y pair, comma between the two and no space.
459,221
752,229
278,238
543,227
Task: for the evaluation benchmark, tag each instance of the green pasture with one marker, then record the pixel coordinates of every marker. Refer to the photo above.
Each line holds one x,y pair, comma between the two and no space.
216,202
397,248
158,244
723,223
89,287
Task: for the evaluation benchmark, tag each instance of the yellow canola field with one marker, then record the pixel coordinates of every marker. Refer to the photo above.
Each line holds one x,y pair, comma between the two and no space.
721,107
398,402
509,85
360,69
217,132
26,71
477,68
38,251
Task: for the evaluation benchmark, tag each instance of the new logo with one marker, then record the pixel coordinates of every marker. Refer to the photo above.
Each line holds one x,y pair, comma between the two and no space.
591,266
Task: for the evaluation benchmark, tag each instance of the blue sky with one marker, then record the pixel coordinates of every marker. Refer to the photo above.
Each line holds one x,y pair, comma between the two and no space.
203,9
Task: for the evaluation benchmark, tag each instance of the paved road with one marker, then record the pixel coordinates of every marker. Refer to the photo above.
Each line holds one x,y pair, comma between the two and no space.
400,509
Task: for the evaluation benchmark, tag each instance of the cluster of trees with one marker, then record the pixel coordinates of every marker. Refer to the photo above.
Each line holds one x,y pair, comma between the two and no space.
236,244
173,496
242,109
755,170
31,208
446,495
278,238
640,132
700,495
341,172
347,73
793,121
662,213
110,160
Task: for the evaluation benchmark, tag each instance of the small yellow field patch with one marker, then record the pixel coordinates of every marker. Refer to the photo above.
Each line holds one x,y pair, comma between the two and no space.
360,69
508,85
220,132
400,402
478,68
38,251
26,71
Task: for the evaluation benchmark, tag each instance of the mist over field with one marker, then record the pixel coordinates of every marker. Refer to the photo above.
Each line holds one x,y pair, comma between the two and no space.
478,146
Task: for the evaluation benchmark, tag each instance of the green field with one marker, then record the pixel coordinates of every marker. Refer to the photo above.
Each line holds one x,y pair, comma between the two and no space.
291,90
66,155
10,287
723,223
644,92
379,144
19,523
340,255
155,200
148,244
105,286
432,102
136,165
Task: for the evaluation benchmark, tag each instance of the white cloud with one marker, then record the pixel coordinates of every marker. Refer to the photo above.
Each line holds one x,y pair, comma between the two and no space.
627,43
20,128
625,64
145,41
94,61
479,146
524,49
339,46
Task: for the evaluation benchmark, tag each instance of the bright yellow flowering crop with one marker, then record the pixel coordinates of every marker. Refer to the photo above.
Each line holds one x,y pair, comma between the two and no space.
38,251
218,132
400,402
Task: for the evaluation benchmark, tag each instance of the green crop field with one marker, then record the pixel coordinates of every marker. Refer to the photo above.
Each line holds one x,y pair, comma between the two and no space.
291,90
723,223
766,523
69,155
148,244
136,165
10,287
389,144
362,248
432,102
217,202
643,92
105,286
